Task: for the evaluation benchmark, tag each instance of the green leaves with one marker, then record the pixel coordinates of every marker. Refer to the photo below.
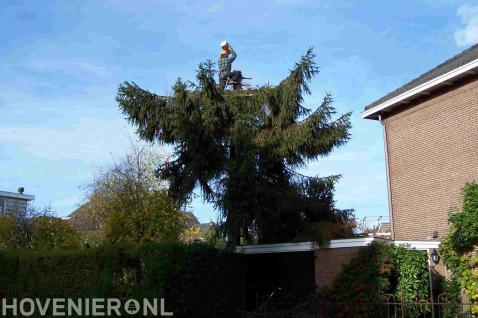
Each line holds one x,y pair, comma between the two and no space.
377,270
464,225
50,233
458,250
412,273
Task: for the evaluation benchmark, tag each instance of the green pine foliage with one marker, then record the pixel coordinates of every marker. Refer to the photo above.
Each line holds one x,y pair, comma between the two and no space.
243,151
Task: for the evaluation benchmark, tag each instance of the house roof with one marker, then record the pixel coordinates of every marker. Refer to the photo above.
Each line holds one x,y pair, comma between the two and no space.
203,228
460,65
82,220
27,197
190,219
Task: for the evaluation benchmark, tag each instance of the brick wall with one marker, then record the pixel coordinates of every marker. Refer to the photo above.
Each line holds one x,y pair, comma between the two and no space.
330,261
433,151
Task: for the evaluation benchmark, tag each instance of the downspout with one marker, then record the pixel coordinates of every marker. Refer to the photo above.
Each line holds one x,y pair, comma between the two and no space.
387,163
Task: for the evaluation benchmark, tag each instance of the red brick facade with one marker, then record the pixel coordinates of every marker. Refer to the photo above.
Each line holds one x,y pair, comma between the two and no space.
330,261
432,151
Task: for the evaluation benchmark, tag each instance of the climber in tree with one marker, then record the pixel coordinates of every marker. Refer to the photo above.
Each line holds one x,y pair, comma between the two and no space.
243,153
228,55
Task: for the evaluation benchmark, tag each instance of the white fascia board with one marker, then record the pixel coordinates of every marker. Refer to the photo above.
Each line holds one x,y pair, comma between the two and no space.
277,248
421,88
339,243
6,194
354,242
419,245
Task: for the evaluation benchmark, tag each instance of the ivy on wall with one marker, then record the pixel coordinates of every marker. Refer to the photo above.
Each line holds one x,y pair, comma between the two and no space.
458,250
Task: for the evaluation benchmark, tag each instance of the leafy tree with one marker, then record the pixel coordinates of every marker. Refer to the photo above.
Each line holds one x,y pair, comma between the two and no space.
191,234
50,232
213,238
243,150
8,232
37,228
132,203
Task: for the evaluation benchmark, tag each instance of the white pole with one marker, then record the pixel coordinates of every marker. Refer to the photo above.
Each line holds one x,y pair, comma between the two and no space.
430,279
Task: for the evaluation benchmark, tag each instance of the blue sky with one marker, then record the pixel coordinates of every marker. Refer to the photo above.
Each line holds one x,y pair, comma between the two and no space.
62,61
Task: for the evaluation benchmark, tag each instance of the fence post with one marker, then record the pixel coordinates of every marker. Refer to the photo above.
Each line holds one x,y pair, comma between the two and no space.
389,297
401,305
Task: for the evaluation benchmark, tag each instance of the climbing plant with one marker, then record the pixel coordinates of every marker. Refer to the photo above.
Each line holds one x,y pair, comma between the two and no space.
458,249
381,269
412,278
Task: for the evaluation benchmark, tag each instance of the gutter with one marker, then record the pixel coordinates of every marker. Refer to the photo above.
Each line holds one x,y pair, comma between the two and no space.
26,197
421,89
387,163
338,243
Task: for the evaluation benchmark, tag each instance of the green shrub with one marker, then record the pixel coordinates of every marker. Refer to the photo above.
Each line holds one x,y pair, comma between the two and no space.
8,274
380,269
450,294
8,232
412,278
363,281
195,280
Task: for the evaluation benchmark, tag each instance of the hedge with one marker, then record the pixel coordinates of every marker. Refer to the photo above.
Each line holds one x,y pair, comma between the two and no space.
195,280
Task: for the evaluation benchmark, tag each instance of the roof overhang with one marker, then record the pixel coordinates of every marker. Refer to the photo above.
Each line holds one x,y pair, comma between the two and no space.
353,242
338,243
277,248
14,195
419,245
424,89
307,246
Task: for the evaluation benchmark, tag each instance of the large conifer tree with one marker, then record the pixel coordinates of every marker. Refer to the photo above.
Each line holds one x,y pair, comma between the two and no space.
242,151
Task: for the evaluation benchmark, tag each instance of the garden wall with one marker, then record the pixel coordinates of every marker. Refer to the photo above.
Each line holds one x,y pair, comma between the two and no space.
329,262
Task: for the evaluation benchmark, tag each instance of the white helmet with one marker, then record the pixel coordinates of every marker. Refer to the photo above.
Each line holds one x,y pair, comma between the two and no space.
224,43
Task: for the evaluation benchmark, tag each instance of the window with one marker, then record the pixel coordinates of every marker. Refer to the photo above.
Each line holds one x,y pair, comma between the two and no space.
2,205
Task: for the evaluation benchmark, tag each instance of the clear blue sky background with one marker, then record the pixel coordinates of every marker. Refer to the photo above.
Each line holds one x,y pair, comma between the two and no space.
61,63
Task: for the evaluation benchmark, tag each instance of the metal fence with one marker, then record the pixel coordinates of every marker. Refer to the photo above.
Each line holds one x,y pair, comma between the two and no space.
390,307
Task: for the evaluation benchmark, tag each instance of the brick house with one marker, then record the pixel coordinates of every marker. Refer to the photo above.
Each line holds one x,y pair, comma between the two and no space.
14,203
430,130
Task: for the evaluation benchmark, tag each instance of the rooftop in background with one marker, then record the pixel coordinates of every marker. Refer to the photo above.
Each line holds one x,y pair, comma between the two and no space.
16,195
445,74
